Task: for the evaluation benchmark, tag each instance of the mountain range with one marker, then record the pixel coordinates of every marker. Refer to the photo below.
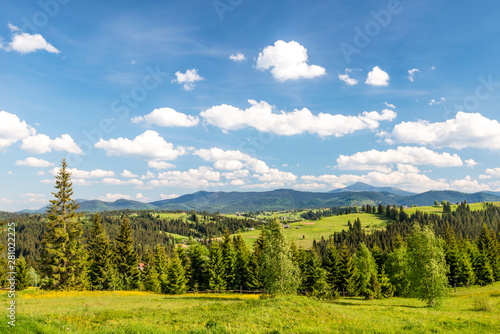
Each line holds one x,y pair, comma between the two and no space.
287,199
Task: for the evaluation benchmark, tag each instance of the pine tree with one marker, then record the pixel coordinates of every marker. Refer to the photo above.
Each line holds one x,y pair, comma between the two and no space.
150,277
216,268
102,270
126,258
427,263
482,269
366,268
466,274
255,280
488,244
386,288
63,261
314,278
22,280
161,263
279,273
331,263
229,259
176,282
348,273
185,261
242,273
452,255
199,257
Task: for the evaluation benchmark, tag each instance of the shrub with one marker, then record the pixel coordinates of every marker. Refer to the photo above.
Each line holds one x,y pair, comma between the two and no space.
482,303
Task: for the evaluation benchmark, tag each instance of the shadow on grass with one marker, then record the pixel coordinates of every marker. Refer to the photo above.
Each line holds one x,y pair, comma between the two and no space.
378,305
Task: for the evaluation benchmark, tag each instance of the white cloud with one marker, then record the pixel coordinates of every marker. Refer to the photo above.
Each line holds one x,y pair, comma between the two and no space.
141,197
6,200
232,160
25,43
127,173
465,130
160,165
33,162
347,79
169,196
390,105
404,168
118,182
188,79
228,164
237,182
373,159
148,175
83,174
12,129
237,174
167,117
275,175
266,185
411,74
377,77
491,173
40,173
41,143
261,117
113,197
149,146
470,163
287,61
439,101
35,198
193,178
237,57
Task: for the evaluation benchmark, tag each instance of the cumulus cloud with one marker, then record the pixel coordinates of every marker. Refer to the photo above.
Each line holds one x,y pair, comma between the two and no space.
113,197
127,173
167,117
12,129
491,173
377,77
193,178
160,165
34,198
232,160
188,79
470,163
25,43
287,61
41,143
275,175
261,117
347,79
465,130
83,174
168,196
149,146
439,101
237,57
384,160
34,162
118,182
411,74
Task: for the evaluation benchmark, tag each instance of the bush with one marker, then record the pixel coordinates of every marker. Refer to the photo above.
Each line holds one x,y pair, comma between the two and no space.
482,303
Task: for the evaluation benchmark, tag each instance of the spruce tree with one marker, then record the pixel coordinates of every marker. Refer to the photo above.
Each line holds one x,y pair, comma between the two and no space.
216,268
150,277
386,288
348,273
488,244
199,257
242,273
176,282
466,274
229,258
63,259
161,262
314,278
482,269
102,270
22,280
331,263
127,260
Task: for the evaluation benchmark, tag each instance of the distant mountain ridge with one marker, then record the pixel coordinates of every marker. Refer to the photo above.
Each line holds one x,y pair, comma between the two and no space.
287,199
360,186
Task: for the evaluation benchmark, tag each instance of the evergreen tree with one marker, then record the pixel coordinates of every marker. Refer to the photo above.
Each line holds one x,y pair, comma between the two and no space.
255,280
482,269
427,264
314,278
348,273
22,280
102,271
199,257
185,261
374,287
465,268
386,288
366,268
161,263
229,259
488,244
242,273
398,269
216,268
279,273
331,263
176,282
127,260
452,255
150,277
63,260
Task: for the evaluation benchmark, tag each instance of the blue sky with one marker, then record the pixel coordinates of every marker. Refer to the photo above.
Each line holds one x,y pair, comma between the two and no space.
152,100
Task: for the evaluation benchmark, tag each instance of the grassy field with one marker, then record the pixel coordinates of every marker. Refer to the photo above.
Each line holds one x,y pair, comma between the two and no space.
304,232
142,312
439,209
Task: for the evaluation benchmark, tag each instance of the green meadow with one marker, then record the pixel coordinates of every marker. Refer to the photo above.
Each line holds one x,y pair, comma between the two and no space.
143,312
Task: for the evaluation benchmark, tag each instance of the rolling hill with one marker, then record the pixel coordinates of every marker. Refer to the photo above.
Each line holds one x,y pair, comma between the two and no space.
286,199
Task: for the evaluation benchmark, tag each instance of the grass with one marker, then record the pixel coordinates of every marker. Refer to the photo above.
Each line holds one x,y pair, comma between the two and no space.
438,209
304,232
142,312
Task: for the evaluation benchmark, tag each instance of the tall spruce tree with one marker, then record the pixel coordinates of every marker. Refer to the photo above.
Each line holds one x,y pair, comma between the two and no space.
176,282
199,257
63,260
331,263
488,244
229,258
22,280
102,270
127,259
150,277
280,276
242,273
427,263
216,268
161,262
348,273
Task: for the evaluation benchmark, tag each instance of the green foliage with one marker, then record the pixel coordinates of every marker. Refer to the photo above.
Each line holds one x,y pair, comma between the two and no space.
161,263
22,279
482,303
367,272
216,268
348,273
126,258
428,268
280,276
229,259
176,282
387,290
331,263
150,276
242,272
399,270
102,270
199,257
63,262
